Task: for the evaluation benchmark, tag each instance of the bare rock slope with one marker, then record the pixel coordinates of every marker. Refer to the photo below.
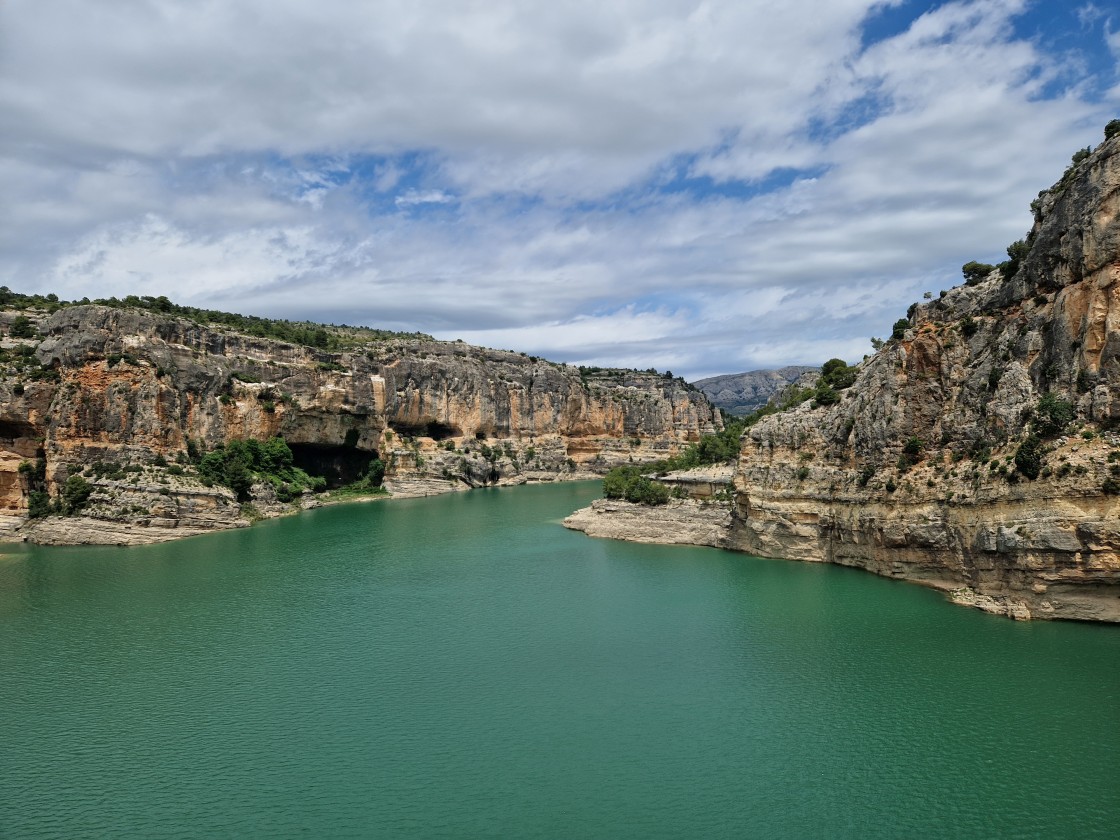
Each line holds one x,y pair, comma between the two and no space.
742,393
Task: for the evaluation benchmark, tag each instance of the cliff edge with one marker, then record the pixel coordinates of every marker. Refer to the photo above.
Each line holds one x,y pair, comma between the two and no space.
978,451
107,414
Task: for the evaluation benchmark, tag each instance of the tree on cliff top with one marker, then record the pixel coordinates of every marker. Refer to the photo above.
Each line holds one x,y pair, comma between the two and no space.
974,272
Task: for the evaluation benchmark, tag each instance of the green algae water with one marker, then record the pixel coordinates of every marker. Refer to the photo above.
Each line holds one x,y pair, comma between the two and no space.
463,666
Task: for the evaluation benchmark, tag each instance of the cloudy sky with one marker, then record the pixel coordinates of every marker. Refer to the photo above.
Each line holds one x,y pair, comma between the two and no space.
706,186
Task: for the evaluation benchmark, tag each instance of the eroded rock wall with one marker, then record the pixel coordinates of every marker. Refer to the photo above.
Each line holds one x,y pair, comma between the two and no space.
912,474
132,387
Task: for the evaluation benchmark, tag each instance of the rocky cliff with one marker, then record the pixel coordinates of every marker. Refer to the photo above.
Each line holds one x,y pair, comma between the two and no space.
129,398
978,452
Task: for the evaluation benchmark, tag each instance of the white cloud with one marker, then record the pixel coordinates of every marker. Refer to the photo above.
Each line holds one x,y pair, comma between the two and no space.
508,172
1112,38
412,198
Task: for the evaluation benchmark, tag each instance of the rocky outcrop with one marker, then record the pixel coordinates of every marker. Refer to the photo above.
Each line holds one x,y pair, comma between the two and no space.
678,522
700,512
979,453
924,470
742,393
136,389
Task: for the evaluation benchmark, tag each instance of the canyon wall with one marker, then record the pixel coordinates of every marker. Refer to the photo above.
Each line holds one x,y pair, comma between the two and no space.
100,385
943,463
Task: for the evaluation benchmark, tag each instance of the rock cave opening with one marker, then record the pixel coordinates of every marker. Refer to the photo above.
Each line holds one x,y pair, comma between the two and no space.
339,465
433,429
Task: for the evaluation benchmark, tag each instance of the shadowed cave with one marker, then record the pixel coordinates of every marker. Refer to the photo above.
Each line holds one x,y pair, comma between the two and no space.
339,465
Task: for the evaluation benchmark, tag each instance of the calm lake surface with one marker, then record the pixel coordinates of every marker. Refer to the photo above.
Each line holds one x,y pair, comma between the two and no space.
463,666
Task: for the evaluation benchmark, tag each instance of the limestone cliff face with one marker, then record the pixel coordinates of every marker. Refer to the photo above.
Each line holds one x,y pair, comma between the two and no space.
841,484
130,387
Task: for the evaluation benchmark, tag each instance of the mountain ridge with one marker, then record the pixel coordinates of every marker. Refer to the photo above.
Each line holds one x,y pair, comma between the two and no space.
742,393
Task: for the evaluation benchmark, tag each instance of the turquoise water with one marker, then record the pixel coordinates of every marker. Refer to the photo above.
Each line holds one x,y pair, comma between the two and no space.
463,666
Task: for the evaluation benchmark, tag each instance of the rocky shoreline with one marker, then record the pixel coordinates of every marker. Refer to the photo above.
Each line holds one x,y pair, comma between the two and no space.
978,450
102,530
679,522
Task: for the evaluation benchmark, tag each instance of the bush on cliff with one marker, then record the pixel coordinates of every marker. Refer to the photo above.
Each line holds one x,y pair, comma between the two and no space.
22,327
628,483
38,504
241,463
974,272
75,493
1016,252
1028,457
1052,414
836,373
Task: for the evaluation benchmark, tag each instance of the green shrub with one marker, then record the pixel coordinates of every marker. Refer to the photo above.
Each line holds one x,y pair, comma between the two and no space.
1016,252
824,395
837,374
22,327
1052,414
646,492
1111,129
628,483
75,493
1028,457
240,463
974,272
38,504
899,329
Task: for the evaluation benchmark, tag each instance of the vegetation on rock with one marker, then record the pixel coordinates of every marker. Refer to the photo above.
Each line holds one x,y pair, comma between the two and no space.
241,463
1052,414
320,336
628,483
974,272
1028,457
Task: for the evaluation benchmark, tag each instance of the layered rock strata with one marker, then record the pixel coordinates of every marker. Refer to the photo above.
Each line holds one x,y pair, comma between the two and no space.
129,387
914,474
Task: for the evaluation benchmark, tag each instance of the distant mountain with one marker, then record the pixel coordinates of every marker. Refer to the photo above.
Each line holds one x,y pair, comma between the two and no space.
742,393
